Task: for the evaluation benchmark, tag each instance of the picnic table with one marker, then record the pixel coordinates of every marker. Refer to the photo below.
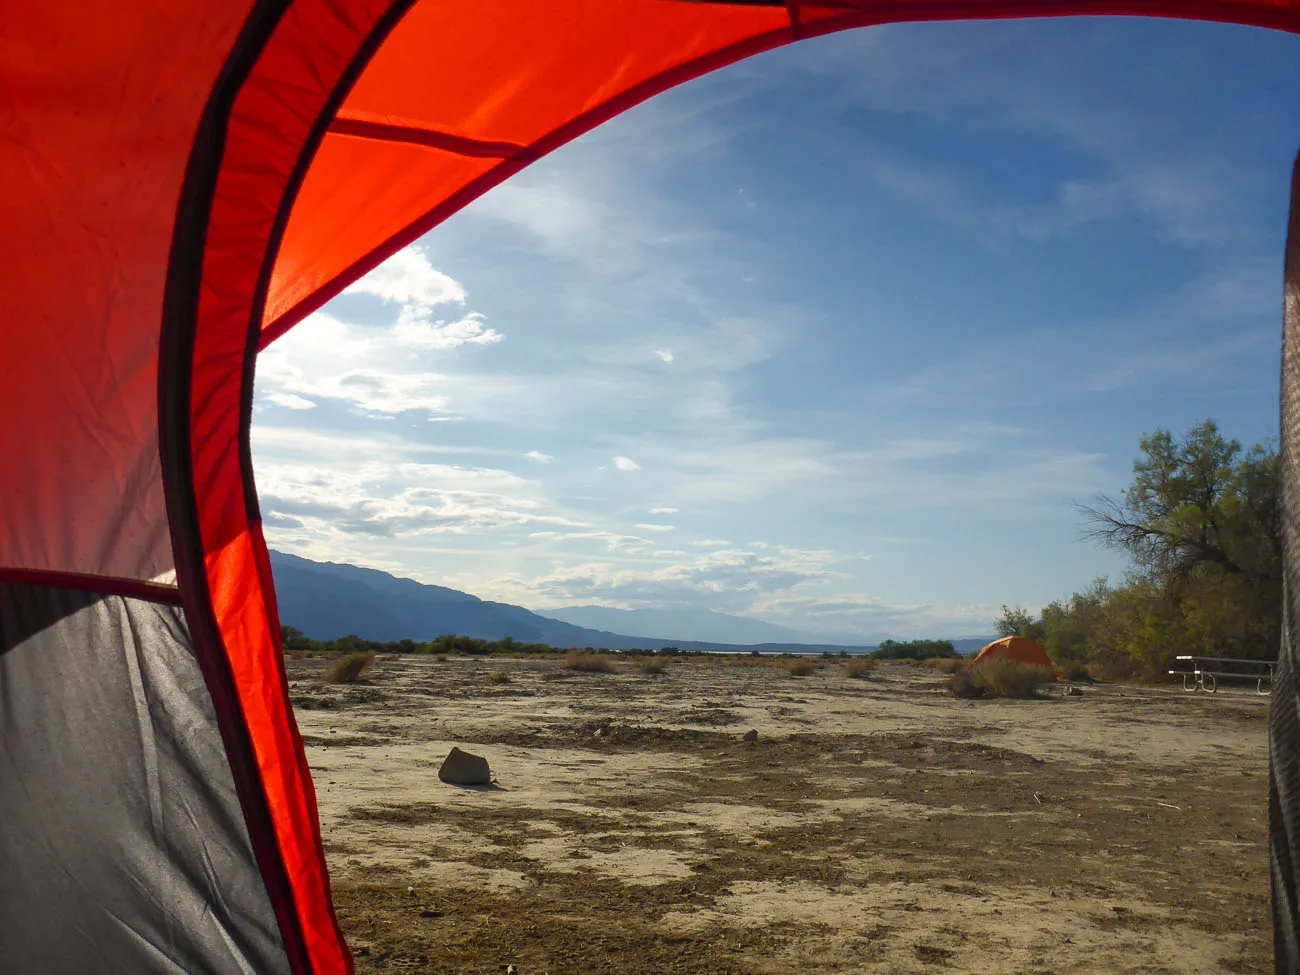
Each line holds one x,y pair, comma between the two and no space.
1204,673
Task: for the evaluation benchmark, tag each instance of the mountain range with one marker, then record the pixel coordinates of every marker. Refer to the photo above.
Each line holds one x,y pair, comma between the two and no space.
328,600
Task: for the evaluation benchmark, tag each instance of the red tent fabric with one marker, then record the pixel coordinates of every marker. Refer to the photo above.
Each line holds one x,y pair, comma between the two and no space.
181,183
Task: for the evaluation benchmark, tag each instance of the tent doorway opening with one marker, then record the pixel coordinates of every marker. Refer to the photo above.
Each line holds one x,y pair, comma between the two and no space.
631,824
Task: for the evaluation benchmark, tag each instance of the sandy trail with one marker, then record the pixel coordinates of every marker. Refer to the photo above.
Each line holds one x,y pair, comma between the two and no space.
877,825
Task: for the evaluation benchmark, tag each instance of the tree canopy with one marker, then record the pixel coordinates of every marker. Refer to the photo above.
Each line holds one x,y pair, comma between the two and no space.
1201,523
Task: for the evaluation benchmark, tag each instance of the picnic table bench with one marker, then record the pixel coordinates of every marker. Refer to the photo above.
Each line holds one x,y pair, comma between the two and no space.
1204,673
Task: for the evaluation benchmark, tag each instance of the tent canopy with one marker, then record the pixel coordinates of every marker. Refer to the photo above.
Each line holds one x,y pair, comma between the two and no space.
1018,648
181,183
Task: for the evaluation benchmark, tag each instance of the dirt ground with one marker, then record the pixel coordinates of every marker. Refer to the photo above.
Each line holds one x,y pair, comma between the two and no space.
877,825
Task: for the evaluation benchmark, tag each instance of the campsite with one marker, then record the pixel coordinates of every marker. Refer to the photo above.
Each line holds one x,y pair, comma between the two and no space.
876,825
702,325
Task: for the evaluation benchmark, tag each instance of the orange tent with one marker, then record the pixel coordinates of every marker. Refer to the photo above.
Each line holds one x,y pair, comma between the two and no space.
180,183
1018,648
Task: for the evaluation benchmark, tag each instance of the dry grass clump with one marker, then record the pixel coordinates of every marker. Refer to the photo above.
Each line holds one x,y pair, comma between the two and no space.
651,668
592,663
998,678
963,683
1010,678
348,670
800,667
859,668
944,665
499,677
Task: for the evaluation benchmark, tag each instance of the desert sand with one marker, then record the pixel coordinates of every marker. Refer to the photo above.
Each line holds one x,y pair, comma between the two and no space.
877,825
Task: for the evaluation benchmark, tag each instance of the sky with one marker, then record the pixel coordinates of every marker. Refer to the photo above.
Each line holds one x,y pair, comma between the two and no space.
835,338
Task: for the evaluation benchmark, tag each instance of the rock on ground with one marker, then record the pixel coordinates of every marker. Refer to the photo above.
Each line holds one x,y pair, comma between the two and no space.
462,768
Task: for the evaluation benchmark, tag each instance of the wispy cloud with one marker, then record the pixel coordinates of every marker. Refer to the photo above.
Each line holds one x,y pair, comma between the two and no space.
405,499
727,578
290,401
415,328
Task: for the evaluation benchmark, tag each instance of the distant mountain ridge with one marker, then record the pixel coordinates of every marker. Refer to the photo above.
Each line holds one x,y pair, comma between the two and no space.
328,600
694,624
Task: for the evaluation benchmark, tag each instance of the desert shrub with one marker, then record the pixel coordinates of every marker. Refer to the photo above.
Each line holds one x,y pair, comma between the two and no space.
590,662
964,683
651,667
1010,678
1073,671
859,668
348,670
499,677
998,678
944,665
799,667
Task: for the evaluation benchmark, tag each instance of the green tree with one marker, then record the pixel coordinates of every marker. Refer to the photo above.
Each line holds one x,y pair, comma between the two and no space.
1196,502
1202,523
1019,622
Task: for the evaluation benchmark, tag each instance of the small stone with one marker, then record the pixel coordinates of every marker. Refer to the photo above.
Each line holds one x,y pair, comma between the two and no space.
751,736
430,912
1073,692
462,768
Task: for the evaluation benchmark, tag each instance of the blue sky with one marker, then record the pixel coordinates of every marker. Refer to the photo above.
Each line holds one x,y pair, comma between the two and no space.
832,338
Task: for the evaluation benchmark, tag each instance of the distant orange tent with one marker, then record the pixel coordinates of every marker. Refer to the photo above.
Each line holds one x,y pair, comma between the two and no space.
1018,648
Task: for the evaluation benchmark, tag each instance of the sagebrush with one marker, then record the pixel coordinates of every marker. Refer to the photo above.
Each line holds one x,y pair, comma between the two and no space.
590,662
998,678
349,669
859,668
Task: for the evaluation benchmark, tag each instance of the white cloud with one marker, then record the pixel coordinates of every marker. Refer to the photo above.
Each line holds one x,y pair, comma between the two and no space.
665,355
415,328
864,616
405,499
540,457
614,542
729,579
290,401
626,464
408,277
663,511
381,372
656,528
